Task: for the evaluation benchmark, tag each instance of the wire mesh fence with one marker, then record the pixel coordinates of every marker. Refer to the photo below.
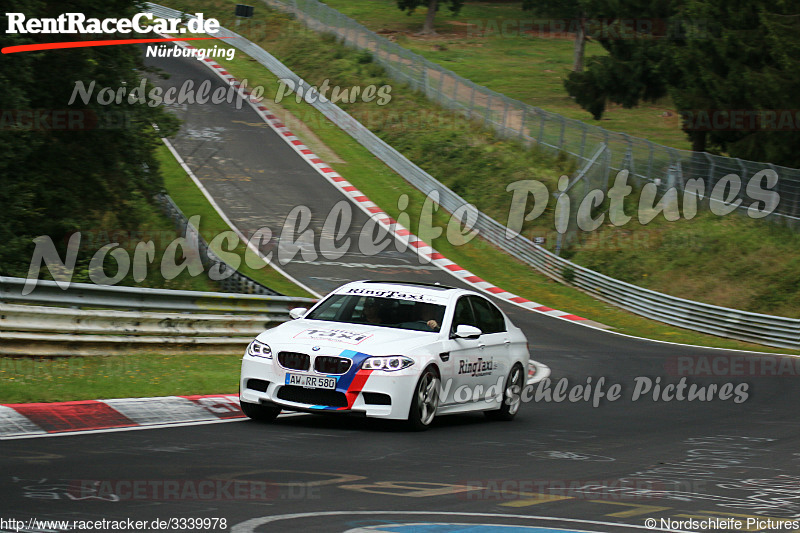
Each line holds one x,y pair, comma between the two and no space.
646,161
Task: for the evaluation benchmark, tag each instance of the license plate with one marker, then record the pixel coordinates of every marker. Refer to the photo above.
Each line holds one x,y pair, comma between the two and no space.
311,382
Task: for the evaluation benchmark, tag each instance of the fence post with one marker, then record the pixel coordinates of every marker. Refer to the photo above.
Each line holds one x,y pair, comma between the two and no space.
627,160
324,17
423,75
471,101
542,120
505,116
439,91
710,171
583,140
794,210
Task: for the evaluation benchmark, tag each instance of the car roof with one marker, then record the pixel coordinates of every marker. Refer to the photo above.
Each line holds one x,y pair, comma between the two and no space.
437,286
401,290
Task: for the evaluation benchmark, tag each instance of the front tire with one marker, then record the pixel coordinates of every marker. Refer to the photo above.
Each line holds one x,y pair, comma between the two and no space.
425,401
260,412
511,396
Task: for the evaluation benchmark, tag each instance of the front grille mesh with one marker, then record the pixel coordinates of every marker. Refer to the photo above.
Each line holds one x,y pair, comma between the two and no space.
294,360
332,365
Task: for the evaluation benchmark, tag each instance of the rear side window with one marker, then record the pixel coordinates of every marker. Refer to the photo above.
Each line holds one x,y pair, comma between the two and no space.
488,317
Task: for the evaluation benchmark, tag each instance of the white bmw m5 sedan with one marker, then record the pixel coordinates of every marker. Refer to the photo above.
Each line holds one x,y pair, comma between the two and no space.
400,351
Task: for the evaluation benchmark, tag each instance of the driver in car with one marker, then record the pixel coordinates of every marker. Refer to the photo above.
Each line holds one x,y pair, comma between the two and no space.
429,315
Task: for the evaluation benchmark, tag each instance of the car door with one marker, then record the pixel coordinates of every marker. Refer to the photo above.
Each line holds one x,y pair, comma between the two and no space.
493,344
463,355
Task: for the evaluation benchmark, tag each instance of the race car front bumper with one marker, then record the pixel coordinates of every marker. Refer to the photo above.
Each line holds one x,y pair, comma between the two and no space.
372,393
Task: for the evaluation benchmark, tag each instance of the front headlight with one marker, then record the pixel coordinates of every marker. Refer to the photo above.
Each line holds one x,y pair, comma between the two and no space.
259,349
387,364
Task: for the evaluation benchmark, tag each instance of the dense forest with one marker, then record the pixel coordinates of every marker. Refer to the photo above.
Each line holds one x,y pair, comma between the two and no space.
67,167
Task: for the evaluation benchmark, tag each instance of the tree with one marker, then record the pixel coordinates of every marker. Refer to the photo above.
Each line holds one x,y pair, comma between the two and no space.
718,58
632,69
630,73
56,180
573,11
747,62
433,6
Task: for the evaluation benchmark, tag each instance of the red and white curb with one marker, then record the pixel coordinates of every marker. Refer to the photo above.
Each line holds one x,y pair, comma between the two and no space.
28,420
423,250
44,419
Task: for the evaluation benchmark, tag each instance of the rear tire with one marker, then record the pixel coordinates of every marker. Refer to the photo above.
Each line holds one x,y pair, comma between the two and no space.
260,412
511,396
425,401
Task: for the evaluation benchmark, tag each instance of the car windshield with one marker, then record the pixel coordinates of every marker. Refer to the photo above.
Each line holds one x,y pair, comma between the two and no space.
376,311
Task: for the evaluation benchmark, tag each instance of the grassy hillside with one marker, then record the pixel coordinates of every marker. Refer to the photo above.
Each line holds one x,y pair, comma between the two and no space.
514,52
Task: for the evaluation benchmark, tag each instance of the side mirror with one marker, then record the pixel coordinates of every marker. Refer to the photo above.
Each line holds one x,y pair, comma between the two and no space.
298,312
464,331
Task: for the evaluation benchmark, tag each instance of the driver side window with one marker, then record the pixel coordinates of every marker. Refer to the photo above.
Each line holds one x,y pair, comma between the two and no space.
463,314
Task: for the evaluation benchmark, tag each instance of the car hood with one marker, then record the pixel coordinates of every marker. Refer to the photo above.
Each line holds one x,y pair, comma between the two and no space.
335,337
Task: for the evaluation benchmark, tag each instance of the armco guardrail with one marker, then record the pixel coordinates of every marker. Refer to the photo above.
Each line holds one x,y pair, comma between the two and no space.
235,281
751,327
183,321
725,322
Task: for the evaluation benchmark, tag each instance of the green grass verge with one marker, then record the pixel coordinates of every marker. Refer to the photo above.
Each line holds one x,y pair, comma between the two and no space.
191,201
316,57
521,61
733,261
59,379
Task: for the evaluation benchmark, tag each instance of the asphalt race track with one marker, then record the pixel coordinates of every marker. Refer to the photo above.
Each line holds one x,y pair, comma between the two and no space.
561,465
